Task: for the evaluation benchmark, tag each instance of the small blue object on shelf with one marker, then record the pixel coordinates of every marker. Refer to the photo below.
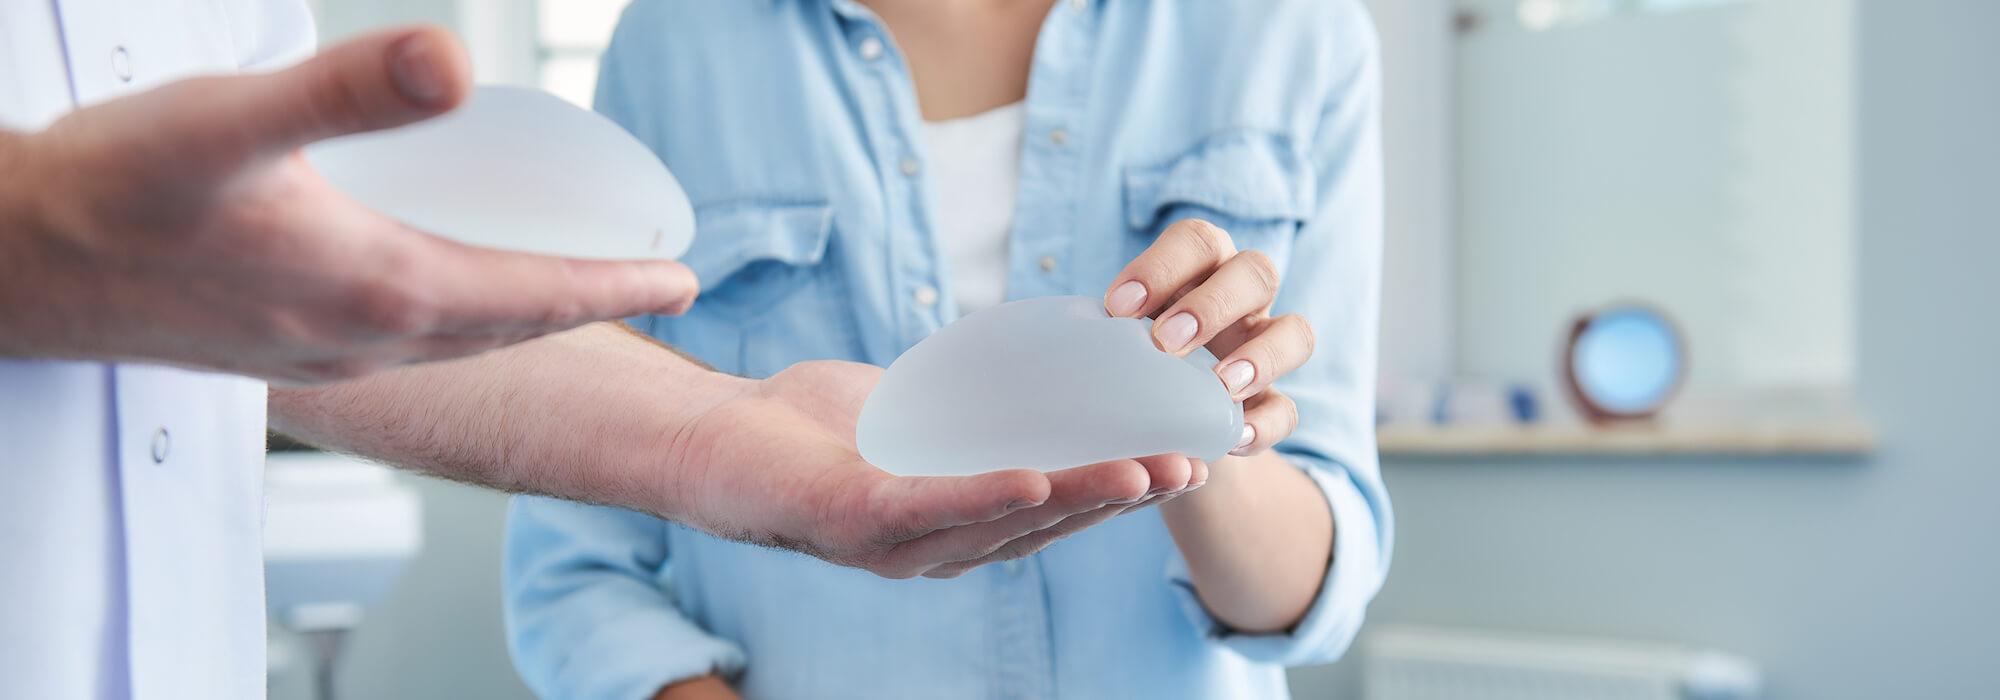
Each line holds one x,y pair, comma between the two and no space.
1441,405
1522,401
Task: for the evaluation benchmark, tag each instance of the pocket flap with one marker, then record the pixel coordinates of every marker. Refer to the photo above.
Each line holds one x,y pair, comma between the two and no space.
731,235
1247,175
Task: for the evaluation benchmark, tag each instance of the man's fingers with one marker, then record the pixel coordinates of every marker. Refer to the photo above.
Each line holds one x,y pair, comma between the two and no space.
1171,475
480,290
1072,491
376,81
1169,472
445,347
1280,346
1034,541
920,505
1198,474
1184,253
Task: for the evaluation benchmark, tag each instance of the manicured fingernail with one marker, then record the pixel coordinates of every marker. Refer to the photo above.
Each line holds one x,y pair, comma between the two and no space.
1249,436
1125,300
1238,375
1177,332
413,65
1157,492
1020,503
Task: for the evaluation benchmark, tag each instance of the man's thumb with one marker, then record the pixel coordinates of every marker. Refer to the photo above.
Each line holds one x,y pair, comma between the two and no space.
377,81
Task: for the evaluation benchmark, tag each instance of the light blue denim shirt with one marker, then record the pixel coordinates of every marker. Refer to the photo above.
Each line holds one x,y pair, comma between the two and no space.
794,126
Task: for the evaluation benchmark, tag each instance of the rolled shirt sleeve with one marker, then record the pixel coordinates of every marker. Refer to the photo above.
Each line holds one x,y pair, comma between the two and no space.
1334,281
1354,574
589,614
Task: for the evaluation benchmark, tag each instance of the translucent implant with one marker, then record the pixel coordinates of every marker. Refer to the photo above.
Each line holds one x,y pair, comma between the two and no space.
1044,384
518,169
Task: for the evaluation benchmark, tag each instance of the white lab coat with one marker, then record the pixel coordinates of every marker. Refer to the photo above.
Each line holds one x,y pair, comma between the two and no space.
131,497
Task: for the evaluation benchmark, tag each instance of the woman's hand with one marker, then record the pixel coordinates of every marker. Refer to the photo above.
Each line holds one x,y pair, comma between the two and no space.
1201,291
1256,541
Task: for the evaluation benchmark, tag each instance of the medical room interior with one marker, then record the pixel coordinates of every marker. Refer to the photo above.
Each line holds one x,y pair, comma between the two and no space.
1683,386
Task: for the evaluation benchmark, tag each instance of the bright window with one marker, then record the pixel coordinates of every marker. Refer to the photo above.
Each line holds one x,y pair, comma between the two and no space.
570,36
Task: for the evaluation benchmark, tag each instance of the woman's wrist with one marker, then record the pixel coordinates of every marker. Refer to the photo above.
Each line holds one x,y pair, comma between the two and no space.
701,688
1256,539
1228,478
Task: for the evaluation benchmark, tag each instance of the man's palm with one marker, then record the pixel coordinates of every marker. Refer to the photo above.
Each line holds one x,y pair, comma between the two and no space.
785,472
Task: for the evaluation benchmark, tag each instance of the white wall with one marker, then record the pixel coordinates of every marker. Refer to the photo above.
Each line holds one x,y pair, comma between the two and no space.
1701,160
1417,134
1846,580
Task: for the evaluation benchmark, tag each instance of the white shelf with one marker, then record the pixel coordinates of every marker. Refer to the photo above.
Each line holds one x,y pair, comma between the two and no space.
1839,438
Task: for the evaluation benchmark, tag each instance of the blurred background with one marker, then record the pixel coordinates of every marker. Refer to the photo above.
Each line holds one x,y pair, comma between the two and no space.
1804,187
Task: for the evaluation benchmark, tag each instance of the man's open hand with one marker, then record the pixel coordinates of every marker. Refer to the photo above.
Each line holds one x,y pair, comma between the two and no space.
182,226
776,464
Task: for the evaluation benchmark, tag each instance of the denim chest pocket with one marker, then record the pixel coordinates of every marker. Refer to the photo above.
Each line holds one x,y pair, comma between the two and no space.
1256,185
768,273
749,254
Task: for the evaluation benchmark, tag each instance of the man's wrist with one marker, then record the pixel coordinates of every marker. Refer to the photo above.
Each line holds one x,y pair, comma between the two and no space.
690,445
22,220
20,216
691,390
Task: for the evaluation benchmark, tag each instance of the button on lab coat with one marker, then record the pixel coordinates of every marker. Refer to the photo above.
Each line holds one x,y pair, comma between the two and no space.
131,496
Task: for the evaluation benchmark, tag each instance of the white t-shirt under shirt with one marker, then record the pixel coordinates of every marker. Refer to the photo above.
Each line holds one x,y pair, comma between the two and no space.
976,164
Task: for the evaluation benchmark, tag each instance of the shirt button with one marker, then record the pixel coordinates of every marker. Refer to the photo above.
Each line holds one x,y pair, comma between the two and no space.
1079,5
910,166
871,48
927,295
121,64
1013,566
161,443
1058,137
1047,263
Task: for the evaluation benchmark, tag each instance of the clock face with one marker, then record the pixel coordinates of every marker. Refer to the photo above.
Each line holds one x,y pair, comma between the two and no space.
1627,361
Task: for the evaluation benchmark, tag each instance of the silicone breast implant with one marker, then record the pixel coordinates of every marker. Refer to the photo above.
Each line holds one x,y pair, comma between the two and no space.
518,169
1045,384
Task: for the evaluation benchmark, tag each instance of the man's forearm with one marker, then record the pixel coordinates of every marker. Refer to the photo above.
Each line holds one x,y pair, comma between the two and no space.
1257,539
20,220
590,414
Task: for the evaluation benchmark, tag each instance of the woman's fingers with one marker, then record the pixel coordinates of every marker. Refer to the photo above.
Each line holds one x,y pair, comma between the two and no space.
1186,252
1243,287
1267,418
1279,346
